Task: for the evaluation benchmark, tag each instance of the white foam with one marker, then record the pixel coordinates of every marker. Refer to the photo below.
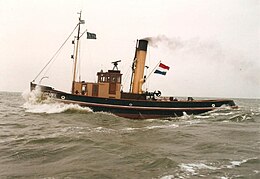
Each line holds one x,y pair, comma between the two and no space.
36,104
201,117
157,120
102,130
106,113
236,163
193,167
33,96
223,177
51,108
222,114
167,177
186,116
193,122
131,129
188,168
74,129
162,126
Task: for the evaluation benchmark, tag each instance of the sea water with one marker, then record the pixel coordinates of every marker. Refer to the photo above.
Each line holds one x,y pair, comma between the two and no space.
54,140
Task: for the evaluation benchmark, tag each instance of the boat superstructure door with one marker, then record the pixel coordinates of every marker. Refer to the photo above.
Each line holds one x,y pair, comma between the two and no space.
95,90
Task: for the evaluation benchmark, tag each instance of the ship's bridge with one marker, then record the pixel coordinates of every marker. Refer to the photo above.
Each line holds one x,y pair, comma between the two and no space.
108,85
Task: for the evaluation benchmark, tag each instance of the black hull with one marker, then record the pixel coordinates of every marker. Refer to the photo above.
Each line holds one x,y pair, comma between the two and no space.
138,109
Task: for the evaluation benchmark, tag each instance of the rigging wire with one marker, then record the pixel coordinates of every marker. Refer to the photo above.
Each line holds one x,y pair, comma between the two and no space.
126,76
154,69
47,70
55,53
147,85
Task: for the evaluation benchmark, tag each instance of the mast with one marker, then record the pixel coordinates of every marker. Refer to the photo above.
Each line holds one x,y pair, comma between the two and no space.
76,54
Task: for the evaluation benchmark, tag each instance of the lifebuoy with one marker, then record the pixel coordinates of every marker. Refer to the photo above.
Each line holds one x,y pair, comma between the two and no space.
158,93
62,97
213,105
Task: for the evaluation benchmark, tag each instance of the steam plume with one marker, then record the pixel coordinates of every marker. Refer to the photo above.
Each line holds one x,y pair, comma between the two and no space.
176,43
171,43
209,52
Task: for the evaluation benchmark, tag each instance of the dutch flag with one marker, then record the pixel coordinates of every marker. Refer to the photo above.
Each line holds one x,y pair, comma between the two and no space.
162,69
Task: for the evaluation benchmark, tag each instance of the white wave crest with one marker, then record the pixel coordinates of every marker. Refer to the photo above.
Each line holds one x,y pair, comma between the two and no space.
237,163
186,116
102,130
167,177
51,108
201,117
35,103
194,167
34,96
131,129
162,126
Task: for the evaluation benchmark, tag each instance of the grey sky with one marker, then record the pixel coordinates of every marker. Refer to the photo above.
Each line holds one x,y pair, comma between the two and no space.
212,46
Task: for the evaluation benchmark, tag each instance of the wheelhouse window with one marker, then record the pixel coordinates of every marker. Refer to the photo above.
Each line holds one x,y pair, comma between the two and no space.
113,79
103,79
109,77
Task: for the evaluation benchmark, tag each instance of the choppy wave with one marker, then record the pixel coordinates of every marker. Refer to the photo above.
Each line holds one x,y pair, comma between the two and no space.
202,169
225,114
51,108
238,163
150,127
73,144
107,130
36,104
34,96
193,168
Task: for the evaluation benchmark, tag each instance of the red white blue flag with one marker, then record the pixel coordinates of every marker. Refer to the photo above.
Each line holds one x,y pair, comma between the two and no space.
162,69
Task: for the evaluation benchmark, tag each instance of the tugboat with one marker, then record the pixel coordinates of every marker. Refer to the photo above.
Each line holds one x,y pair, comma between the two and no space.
106,95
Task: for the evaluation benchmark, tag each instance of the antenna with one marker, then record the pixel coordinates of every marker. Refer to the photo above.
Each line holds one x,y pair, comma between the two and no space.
115,63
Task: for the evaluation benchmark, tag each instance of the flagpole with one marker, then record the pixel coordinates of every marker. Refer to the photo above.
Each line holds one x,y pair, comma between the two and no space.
152,71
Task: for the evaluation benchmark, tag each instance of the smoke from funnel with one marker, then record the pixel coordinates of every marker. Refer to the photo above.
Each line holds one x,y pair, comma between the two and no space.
171,43
210,52
176,43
